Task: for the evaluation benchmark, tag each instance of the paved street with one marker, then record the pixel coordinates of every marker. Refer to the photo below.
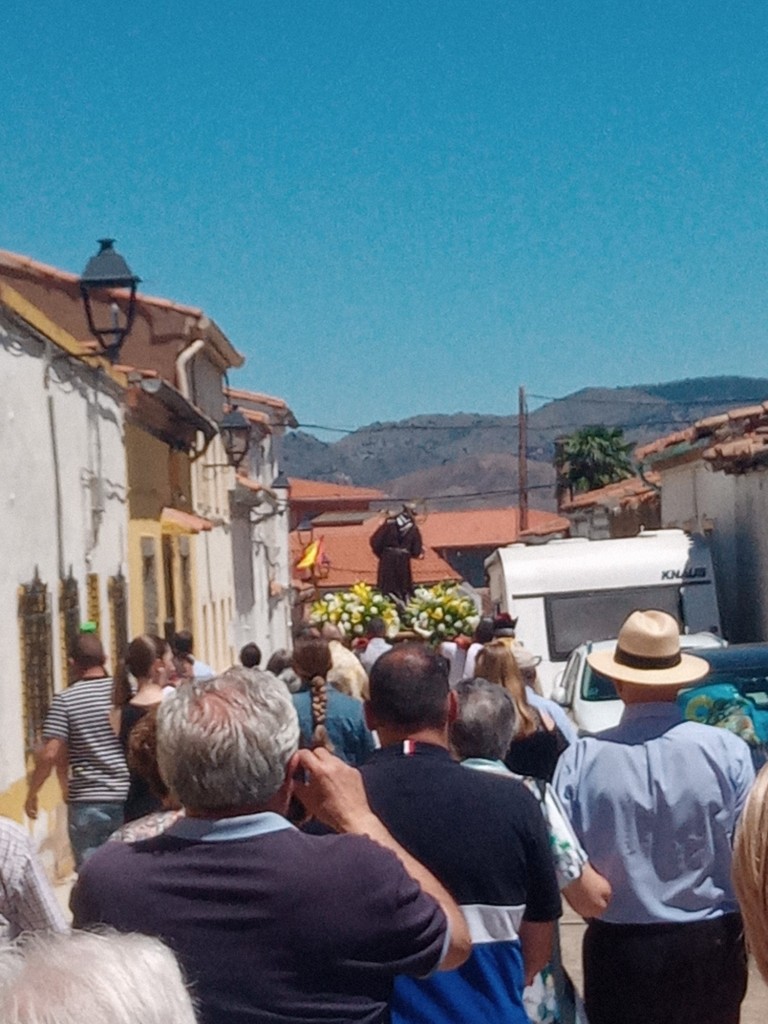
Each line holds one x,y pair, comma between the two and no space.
754,1009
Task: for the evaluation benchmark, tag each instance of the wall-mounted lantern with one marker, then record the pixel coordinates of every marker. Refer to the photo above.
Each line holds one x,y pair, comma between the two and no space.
105,272
235,433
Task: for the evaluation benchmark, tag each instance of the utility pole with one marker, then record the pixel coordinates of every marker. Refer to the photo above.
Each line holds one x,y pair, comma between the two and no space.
522,459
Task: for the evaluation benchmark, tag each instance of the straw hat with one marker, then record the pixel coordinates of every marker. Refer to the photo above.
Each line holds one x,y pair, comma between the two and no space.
648,653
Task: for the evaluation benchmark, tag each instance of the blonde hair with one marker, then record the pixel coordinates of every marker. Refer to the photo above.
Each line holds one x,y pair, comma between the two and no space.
497,664
750,870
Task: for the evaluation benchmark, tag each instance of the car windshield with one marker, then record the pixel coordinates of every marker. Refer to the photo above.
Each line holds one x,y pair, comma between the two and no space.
595,686
750,682
750,677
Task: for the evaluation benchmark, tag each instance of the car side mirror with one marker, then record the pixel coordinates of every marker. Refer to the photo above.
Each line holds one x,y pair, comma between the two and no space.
558,691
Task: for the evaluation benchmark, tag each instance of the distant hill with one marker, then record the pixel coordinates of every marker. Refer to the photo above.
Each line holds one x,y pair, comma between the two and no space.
459,461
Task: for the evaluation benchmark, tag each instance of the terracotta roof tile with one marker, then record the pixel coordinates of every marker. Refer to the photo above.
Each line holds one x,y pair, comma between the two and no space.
625,493
738,450
241,395
731,441
313,490
62,298
254,416
12,259
351,559
486,527
174,520
746,412
709,423
280,413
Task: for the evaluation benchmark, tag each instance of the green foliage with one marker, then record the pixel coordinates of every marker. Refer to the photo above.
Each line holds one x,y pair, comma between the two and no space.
595,456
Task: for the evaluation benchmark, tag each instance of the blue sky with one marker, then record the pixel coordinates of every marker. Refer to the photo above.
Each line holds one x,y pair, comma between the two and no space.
409,207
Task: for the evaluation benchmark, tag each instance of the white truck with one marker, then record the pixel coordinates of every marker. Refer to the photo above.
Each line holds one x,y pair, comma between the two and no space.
565,592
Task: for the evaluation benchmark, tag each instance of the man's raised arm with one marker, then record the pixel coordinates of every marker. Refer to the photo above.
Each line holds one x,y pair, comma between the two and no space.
333,792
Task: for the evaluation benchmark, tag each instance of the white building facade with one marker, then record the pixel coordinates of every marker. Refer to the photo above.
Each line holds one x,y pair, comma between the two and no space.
714,480
64,534
260,529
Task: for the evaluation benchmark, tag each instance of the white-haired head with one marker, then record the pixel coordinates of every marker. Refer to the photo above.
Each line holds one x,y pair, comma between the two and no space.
486,720
225,742
92,978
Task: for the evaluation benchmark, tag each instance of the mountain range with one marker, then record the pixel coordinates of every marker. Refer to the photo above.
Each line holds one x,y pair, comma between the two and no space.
469,460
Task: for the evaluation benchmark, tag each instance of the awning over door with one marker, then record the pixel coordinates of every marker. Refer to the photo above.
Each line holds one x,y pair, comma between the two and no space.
174,521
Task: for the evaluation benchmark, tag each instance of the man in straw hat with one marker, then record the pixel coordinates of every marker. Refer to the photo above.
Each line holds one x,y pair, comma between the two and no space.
655,803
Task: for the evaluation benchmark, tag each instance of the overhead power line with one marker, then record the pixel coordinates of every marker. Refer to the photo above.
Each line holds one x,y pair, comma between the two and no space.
512,426
510,491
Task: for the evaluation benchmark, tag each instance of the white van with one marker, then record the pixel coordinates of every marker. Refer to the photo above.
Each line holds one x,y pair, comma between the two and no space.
565,592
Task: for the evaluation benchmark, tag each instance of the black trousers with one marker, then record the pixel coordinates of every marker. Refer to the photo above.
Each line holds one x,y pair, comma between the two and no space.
665,973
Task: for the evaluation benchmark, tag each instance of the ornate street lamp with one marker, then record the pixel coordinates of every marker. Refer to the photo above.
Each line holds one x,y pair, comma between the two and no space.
103,273
235,433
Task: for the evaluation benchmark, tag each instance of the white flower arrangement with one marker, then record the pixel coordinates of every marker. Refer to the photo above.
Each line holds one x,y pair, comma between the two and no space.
352,610
441,612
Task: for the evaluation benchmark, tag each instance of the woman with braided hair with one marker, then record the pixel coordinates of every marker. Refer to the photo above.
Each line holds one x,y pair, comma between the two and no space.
327,718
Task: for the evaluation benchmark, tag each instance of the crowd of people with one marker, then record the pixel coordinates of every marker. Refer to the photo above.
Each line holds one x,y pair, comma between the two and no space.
386,836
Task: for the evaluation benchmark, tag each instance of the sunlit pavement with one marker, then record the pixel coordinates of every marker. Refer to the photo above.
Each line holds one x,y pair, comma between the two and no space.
754,1009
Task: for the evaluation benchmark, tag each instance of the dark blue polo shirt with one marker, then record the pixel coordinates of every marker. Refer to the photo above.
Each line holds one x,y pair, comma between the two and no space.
271,925
484,837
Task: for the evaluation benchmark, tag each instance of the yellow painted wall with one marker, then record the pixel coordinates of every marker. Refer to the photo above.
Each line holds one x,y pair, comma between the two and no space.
137,530
157,478
149,483
50,830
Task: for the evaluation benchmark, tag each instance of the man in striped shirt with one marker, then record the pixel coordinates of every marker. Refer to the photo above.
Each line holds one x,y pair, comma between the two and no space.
77,728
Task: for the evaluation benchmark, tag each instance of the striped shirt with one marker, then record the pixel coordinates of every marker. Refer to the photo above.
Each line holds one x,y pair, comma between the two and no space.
80,717
27,901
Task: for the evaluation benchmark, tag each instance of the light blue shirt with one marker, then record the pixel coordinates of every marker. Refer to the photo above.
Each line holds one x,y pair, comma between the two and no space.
555,712
226,830
655,803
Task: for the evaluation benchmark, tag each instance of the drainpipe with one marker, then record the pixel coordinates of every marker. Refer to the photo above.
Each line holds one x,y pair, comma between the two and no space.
181,366
182,361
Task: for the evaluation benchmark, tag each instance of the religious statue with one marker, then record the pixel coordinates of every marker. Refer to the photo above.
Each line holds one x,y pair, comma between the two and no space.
395,542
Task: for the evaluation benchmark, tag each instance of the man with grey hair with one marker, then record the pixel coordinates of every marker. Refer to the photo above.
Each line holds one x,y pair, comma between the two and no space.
88,978
484,727
270,923
485,724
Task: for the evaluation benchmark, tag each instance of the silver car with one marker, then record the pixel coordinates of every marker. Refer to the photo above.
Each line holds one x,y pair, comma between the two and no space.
590,698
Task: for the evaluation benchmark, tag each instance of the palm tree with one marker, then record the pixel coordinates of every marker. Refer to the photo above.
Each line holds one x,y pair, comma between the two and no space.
593,457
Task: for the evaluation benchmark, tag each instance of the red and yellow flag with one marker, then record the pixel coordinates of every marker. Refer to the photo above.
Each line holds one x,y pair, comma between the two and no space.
311,555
